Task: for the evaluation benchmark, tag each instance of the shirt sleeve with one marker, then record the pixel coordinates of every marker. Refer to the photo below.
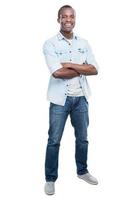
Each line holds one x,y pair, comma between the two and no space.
90,57
51,57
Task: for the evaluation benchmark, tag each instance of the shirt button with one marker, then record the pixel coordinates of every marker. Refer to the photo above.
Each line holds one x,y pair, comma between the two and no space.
70,51
70,59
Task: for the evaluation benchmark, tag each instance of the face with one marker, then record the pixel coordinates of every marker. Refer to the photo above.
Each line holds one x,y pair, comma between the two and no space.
67,19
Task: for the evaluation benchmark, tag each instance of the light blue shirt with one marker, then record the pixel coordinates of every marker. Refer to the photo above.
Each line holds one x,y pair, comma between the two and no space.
58,50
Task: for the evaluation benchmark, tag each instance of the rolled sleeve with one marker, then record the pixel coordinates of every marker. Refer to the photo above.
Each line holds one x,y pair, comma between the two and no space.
90,57
51,58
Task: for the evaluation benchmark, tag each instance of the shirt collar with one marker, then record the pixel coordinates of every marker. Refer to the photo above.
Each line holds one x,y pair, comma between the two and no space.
61,37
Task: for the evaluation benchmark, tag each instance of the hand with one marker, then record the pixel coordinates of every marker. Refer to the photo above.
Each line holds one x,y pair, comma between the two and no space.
66,65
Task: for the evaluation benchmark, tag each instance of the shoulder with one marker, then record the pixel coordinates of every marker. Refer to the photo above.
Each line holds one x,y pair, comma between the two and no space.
50,41
83,43
82,40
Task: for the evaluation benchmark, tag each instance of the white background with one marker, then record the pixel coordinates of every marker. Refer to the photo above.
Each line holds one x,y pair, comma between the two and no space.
24,26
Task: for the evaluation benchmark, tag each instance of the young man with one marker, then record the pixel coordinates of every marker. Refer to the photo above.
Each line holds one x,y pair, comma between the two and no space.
69,59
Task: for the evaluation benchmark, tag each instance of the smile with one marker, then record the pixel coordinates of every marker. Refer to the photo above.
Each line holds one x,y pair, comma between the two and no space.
68,25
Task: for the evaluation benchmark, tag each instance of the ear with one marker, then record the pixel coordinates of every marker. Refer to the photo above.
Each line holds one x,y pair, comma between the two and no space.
58,20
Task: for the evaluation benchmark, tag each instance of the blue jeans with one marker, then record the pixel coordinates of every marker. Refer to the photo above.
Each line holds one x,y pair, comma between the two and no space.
77,108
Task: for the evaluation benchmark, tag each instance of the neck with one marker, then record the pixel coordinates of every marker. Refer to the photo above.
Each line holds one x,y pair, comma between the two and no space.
68,35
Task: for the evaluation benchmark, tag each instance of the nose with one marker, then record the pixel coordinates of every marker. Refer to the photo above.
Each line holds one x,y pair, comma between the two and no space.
68,19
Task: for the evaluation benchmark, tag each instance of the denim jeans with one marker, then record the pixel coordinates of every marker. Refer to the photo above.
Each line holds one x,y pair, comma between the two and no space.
77,108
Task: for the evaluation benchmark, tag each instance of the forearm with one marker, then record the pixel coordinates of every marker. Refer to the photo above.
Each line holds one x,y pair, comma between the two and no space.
65,73
85,69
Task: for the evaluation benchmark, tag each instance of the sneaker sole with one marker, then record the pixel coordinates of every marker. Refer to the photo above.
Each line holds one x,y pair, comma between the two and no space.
92,183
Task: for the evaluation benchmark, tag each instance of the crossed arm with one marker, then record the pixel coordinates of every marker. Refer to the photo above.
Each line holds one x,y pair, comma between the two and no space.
70,70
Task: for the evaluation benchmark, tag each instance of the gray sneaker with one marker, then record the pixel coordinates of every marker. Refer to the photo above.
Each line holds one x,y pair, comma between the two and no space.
88,178
49,188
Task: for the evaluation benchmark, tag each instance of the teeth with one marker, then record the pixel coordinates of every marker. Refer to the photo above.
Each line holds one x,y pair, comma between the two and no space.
68,25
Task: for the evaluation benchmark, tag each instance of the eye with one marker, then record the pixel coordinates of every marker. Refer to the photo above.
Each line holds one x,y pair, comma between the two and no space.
64,16
72,16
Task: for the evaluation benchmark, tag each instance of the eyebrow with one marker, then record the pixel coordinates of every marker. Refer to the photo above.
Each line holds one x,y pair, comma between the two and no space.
67,15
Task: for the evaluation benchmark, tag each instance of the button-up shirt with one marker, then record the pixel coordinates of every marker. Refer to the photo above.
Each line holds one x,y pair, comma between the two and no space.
58,50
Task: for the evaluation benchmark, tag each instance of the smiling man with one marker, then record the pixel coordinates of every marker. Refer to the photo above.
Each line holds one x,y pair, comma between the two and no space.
69,59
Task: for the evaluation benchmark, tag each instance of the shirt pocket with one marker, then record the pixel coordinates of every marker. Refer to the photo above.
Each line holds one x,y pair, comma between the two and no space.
62,55
82,55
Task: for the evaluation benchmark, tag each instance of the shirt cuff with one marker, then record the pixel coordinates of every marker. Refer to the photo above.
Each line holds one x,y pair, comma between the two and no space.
55,68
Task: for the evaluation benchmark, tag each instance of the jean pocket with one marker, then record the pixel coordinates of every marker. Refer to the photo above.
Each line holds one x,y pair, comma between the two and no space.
83,105
86,100
57,109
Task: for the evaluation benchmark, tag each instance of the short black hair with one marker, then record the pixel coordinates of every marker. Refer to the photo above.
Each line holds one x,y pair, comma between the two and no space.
65,6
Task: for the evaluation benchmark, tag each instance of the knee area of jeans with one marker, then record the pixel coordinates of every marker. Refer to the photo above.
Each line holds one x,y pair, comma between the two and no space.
53,142
81,141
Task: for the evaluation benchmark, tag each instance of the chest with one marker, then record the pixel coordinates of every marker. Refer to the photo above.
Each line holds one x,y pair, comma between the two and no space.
73,52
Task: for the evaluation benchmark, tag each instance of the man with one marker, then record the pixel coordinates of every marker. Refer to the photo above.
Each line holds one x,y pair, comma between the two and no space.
69,59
